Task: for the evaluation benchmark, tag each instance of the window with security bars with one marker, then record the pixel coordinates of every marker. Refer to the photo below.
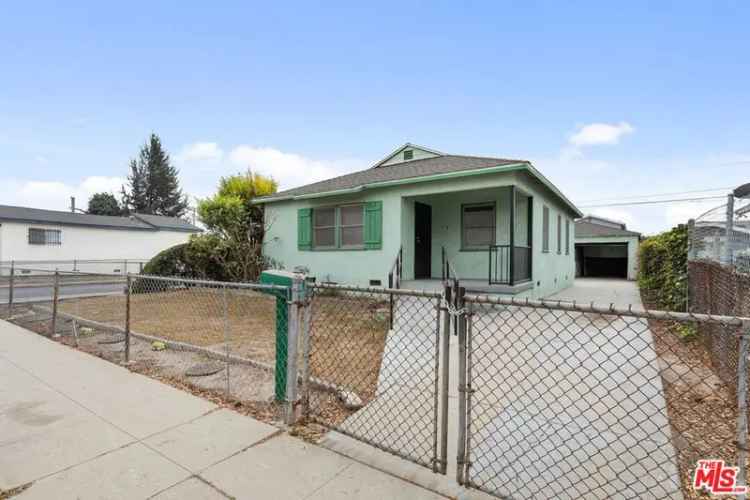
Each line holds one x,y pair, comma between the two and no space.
567,236
559,234
38,236
477,226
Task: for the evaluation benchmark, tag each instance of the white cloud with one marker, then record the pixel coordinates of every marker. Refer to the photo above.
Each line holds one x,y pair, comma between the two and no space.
200,151
680,213
55,195
201,165
288,169
600,133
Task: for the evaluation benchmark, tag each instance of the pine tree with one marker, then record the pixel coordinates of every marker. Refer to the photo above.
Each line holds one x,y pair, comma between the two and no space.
153,186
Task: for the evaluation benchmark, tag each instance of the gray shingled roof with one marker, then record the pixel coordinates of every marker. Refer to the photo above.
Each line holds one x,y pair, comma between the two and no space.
170,223
136,222
585,229
398,171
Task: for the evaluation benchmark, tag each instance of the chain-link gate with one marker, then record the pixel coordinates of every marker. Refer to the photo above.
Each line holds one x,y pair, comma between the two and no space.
559,400
382,380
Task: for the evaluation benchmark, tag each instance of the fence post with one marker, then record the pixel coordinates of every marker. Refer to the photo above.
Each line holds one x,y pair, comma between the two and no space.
226,331
390,298
306,325
128,286
291,356
55,298
461,449
446,378
728,250
742,405
11,284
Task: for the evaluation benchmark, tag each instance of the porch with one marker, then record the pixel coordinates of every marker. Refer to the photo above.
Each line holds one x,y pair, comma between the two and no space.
482,236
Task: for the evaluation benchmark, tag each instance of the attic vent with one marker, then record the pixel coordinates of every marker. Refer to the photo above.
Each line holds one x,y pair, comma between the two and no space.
408,154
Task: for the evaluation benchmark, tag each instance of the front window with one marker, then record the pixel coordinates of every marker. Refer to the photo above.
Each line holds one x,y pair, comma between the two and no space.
324,227
38,236
477,226
352,226
338,227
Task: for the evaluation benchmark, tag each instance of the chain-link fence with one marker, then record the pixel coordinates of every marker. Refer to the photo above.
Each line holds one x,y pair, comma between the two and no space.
552,400
377,383
567,401
228,339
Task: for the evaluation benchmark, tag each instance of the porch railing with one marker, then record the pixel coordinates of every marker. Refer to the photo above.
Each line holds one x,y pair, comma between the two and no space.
509,265
394,278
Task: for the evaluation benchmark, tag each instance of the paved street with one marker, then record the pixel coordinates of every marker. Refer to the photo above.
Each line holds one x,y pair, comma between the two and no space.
78,427
40,293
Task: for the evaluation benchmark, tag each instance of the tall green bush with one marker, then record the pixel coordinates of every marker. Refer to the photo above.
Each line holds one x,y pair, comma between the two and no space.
662,270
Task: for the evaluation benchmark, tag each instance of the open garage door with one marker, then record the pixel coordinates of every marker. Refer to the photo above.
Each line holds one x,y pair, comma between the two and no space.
602,260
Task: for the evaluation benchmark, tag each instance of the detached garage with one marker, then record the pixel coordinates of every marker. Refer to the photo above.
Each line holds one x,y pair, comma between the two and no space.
605,249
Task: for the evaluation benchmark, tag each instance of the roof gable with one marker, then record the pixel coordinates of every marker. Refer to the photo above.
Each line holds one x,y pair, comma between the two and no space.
407,152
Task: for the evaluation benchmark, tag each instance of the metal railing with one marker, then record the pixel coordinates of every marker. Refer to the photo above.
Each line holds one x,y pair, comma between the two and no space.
509,265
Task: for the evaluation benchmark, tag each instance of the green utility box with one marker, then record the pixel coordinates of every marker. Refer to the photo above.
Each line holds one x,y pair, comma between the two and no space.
285,279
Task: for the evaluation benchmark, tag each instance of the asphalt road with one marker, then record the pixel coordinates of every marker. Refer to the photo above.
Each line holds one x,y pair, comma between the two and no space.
44,292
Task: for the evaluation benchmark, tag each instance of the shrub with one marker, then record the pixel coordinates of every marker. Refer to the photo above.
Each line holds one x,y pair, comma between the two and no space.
662,272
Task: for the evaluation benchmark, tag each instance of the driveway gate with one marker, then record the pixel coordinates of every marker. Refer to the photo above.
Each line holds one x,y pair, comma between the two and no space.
384,386
570,401
555,399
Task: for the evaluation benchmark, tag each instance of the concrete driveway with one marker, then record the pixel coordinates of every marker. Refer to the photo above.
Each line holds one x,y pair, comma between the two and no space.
564,404
74,426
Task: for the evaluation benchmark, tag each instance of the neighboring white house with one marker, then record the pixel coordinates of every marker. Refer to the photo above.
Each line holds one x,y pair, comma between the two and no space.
46,235
605,248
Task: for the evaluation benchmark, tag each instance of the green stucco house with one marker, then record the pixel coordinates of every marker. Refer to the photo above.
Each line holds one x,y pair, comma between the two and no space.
497,224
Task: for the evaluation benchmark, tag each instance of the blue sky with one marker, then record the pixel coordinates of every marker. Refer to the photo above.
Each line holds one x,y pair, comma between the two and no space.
609,100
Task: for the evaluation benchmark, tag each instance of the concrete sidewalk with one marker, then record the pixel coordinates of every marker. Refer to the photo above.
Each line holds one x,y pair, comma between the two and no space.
76,426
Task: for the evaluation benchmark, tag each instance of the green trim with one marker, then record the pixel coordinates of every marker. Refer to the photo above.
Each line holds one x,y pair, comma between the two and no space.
304,229
372,234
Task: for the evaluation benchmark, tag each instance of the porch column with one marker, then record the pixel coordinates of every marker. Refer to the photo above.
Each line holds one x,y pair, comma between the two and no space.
512,237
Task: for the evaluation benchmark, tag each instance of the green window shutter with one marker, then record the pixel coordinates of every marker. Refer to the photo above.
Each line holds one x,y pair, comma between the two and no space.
373,225
304,229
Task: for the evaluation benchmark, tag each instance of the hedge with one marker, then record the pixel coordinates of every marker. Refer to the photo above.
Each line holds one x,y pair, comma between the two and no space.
662,270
